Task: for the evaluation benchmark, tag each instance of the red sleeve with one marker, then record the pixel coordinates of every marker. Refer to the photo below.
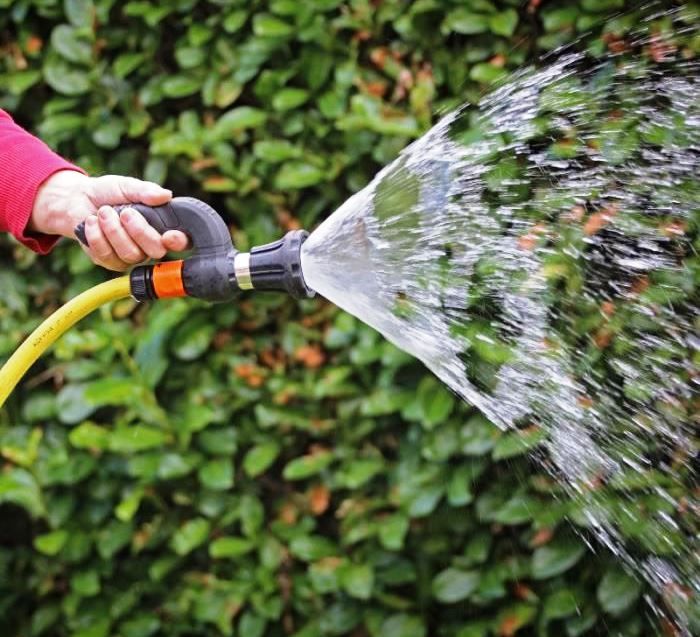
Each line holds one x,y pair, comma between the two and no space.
25,163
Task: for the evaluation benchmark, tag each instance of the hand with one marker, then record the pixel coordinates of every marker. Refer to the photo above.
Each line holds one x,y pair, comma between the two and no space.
117,241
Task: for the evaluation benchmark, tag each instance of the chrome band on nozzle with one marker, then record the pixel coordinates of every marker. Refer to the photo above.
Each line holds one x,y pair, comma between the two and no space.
241,266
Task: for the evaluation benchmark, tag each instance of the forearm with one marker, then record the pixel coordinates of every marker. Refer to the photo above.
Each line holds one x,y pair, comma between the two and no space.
25,163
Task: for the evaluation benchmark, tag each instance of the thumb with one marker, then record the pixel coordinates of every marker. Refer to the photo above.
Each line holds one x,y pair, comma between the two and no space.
111,190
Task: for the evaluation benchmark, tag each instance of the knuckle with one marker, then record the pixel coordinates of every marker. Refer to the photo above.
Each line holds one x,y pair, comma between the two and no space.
99,250
132,256
104,254
109,225
157,252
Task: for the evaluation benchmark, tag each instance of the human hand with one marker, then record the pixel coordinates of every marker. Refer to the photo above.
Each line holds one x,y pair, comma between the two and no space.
116,241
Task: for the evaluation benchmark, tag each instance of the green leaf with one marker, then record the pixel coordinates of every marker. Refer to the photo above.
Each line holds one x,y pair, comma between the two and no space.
112,391
193,338
234,20
142,625
436,401
218,440
357,580
307,466
560,604
274,151
517,510
557,19
252,514
556,557
136,438
68,43
93,627
190,535
45,616
289,98
310,548
298,174
88,435
217,474
62,125
260,457
582,622
230,547
393,530
80,13
113,537
267,25
425,499
189,57
85,583
227,92
478,549
474,629
127,508
478,436
504,23
252,625
237,119
514,617
180,85
19,487
176,465
517,443
51,543
20,81
602,5
487,73
126,63
459,488
465,21
403,625
65,79
453,585
360,471
109,134
618,591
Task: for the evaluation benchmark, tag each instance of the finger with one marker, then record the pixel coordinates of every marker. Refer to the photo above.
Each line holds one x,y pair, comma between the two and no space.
118,237
100,250
144,235
175,241
114,189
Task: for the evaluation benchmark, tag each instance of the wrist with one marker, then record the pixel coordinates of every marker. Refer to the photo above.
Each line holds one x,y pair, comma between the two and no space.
52,212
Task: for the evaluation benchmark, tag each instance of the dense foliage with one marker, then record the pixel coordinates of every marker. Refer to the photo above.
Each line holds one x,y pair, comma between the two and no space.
268,468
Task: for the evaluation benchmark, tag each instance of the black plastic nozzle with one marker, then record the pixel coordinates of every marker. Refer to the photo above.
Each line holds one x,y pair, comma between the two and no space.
215,270
277,266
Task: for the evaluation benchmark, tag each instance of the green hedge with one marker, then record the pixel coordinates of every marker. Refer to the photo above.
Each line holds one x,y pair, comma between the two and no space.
268,468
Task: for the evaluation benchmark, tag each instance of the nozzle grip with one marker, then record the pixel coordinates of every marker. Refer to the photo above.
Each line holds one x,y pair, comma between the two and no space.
207,274
206,230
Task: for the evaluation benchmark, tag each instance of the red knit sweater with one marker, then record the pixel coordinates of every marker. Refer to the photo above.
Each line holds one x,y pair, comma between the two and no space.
25,163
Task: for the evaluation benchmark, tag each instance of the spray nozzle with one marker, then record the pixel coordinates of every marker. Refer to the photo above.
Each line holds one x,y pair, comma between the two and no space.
215,271
274,266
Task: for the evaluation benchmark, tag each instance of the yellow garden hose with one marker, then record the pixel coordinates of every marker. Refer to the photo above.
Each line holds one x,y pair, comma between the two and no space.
53,327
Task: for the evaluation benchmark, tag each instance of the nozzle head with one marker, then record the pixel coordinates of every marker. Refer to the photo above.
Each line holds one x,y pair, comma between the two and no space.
275,266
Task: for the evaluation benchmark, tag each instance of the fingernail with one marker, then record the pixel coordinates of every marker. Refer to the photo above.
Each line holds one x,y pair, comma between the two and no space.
91,220
102,214
126,216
